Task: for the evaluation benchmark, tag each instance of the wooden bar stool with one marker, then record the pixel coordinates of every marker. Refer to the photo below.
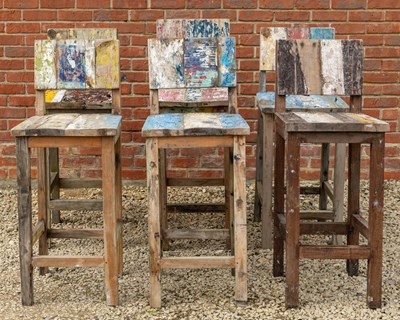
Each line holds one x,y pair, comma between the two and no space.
95,64
265,102
325,67
192,66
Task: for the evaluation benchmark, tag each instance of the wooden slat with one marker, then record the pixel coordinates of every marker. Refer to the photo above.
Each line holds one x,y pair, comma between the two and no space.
76,233
322,33
317,214
326,67
45,64
193,207
72,183
67,261
190,95
197,262
361,225
195,142
76,204
37,231
82,33
334,252
176,182
221,234
107,64
226,62
50,142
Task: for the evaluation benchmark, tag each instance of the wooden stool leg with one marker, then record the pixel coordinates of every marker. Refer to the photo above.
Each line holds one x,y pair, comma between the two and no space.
240,227
267,176
338,189
163,196
324,176
55,192
110,220
118,202
259,169
153,187
292,222
228,181
353,202
25,220
43,201
279,206
375,223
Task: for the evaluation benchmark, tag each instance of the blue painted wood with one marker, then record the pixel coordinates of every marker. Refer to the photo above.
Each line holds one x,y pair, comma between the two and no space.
266,103
322,33
165,122
200,62
206,28
227,62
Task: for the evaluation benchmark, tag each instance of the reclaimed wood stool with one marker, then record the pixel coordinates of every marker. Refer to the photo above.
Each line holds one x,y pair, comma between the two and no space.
326,67
192,65
265,101
70,64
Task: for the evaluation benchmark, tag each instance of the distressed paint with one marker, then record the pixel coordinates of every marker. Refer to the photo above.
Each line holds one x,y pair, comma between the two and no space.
166,122
227,62
193,95
45,66
268,37
322,33
107,64
85,34
192,28
54,96
298,33
200,62
265,101
319,67
166,63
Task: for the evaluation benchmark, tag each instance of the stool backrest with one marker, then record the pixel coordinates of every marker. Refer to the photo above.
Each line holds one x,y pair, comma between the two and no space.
77,59
192,63
269,36
322,67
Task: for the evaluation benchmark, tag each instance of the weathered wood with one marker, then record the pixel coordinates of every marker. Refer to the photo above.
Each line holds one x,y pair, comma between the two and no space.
72,183
226,62
76,234
45,65
195,142
195,207
211,234
190,95
334,252
197,262
67,261
361,225
319,67
338,192
76,204
107,65
176,182
87,34
37,231
198,124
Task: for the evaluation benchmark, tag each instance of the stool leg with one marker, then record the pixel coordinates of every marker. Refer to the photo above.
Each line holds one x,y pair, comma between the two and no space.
228,186
240,227
55,192
324,176
259,168
25,220
292,222
118,202
110,220
163,196
338,189
267,176
153,189
353,202
279,206
43,200
375,223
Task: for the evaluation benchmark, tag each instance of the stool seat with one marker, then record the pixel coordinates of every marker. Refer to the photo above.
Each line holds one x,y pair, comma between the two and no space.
265,101
329,122
194,124
69,124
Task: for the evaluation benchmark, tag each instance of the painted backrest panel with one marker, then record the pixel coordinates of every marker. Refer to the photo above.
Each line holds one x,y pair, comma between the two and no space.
268,37
324,67
192,28
192,63
86,34
77,64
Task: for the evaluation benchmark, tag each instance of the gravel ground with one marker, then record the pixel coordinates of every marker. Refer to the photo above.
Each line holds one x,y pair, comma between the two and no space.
326,292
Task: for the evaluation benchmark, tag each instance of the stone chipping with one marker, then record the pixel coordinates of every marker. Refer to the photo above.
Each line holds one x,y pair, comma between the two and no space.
326,292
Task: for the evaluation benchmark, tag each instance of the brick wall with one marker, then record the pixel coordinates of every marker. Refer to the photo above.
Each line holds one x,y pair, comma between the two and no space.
377,22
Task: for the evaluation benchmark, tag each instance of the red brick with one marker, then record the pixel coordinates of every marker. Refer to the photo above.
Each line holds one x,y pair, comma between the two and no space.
59,4
244,52
142,89
392,40
17,4
167,4
383,28
382,52
56,25
195,152
129,4
219,14
329,15
140,64
183,162
256,15
249,40
245,102
393,65
391,89
109,15
366,16
20,76
277,4
212,162
391,114
349,28
182,14
10,112
346,4
9,15
369,40
201,4
145,15
248,89
23,27
39,15
292,16
392,15
132,52
129,28
11,39
134,101
249,64
93,4
11,89
21,101
241,28
15,52
383,4
132,125
381,102
240,4
201,174
372,65
312,4
76,15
